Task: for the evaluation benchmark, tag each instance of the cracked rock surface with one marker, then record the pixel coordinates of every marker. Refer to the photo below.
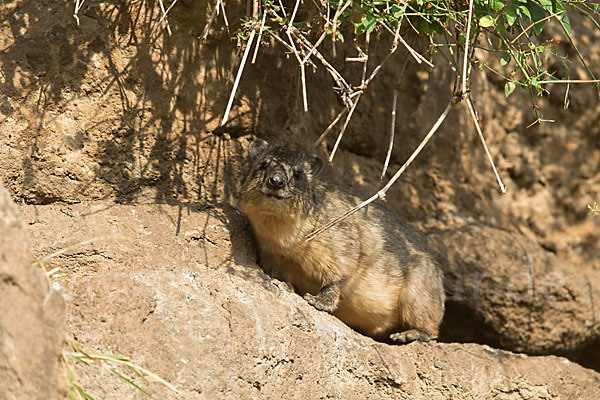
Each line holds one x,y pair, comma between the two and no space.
177,289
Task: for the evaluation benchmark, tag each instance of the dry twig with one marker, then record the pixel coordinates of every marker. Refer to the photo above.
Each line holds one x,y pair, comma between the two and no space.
302,76
363,85
397,37
343,86
162,18
487,151
381,194
78,5
534,24
338,12
224,15
466,56
214,13
290,49
238,77
341,134
567,81
260,31
331,125
291,22
358,94
393,127
162,8
464,94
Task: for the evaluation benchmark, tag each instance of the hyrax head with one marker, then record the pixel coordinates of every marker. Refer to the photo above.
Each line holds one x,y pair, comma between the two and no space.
280,180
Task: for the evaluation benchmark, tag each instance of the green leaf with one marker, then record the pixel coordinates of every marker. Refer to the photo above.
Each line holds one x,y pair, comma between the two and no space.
564,20
359,28
505,59
558,6
497,5
509,87
534,82
597,8
547,4
423,27
537,14
437,28
369,22
487,21
501,23
537,28
523,10
398,11
511,14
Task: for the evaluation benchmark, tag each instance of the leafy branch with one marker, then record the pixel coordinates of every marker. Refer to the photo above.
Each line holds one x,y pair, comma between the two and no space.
510,30
513,30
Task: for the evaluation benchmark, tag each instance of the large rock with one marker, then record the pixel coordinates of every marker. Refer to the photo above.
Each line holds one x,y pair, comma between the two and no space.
506,290
31,316
177,289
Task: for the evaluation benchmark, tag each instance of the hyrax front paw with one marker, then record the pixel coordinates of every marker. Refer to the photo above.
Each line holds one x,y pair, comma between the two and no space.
411,335
284,286
319,303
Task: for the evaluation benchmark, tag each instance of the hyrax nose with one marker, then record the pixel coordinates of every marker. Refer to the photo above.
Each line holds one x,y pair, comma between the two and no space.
275,181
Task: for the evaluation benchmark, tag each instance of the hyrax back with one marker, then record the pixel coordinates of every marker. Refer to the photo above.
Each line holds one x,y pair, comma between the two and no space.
371,270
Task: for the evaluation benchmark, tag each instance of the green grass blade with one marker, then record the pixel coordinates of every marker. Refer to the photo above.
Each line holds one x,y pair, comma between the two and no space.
129,381
82,392
71,394
135,371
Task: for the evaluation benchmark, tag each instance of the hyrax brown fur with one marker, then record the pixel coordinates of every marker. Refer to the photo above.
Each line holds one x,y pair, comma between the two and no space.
372,271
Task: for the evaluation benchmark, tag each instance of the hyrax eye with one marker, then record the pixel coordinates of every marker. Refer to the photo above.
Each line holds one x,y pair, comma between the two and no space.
264,164
298,174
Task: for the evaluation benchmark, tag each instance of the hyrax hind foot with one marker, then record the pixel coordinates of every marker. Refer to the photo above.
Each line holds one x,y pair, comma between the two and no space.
411,336
327,299
318,303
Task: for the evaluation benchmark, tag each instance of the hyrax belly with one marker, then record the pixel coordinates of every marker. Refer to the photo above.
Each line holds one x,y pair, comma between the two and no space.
372,271
370,305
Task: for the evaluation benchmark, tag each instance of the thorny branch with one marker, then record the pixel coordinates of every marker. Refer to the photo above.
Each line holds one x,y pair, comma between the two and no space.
381,194
464,94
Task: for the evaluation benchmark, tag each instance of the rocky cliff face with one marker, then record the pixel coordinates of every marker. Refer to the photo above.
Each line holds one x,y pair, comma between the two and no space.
31,316
111,145
178,290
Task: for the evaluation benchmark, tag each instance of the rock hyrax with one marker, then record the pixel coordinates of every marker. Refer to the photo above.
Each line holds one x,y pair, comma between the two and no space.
372,270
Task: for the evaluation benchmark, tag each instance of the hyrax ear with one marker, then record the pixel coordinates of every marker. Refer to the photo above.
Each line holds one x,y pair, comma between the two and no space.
257,148
315,163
